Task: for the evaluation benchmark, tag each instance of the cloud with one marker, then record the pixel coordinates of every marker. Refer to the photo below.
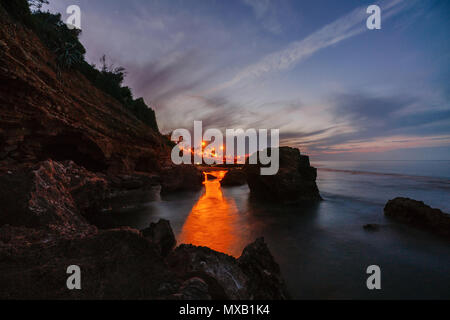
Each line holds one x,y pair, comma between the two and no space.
266,13
343,28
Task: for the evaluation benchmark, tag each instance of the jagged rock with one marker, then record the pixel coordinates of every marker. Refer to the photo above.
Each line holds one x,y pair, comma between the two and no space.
193,289
295,180
161,234
255,275
418,214
265,282
115,264
234,177
50,195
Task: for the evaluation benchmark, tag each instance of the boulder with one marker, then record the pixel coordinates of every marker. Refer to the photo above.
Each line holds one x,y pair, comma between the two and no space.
115,264
161,234
50,196
264,276
181,178
295,180
418,214
234,177
255,275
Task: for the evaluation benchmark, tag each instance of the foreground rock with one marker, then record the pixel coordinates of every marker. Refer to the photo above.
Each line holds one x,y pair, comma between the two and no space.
295,180
161,234
234,177
255,275
418,214
45,226
181,178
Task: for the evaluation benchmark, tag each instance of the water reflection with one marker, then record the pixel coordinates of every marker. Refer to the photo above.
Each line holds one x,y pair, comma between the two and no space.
214,220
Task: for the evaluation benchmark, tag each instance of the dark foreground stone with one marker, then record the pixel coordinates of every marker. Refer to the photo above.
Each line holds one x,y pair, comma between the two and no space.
234,177
44,229
255,275
295,180
161,234
418,214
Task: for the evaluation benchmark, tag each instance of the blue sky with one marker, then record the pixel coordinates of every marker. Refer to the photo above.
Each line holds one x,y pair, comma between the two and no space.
312,69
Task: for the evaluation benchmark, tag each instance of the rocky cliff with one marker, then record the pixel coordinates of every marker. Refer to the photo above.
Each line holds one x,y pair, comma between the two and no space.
68,151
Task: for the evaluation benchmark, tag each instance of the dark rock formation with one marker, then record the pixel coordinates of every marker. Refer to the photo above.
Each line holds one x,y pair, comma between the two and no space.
295,180
418,214
52,113
234,177
50,196
255,275
181,178
161,234
45,228
264,277
115,264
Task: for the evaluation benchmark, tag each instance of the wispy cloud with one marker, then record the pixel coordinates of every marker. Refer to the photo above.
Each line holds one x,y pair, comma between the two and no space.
343,28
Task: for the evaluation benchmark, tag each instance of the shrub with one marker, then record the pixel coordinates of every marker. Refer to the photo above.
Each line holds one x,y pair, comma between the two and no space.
64,42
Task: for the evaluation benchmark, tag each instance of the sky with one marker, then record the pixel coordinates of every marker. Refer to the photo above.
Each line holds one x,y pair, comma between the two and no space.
312,69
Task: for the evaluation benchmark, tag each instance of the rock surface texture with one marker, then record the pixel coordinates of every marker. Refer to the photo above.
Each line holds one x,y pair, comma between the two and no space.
234,177
295,180
418,214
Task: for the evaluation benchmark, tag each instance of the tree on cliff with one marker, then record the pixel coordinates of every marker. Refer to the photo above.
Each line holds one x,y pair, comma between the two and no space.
64,42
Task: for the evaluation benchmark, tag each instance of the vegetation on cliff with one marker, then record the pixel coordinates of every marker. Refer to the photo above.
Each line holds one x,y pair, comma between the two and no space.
64,42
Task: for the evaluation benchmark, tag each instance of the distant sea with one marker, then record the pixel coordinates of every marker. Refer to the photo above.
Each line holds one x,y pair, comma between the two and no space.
322,248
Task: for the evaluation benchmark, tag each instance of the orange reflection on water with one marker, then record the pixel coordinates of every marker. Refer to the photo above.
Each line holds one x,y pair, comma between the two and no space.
213,221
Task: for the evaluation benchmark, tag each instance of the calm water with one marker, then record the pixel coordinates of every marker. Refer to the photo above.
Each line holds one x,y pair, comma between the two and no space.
322,248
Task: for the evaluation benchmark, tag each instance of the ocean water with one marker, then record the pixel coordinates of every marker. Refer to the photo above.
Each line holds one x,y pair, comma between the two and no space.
322,248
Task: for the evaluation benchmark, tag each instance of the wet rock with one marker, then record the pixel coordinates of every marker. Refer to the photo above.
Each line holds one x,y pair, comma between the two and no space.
181,178
418,214
234,177
264,276
193,289
50,195
295,180
220,271
161,234
371,227
255,275
115,264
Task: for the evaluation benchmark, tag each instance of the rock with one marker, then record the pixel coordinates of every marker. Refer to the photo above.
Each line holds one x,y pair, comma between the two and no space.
193,289
234,177
295,180
210,177
161,234
221,272
49,196
115,264
181,178
255,275
418,214
371,227
265,282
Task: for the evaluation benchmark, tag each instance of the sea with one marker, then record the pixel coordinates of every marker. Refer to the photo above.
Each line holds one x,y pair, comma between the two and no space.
322,248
